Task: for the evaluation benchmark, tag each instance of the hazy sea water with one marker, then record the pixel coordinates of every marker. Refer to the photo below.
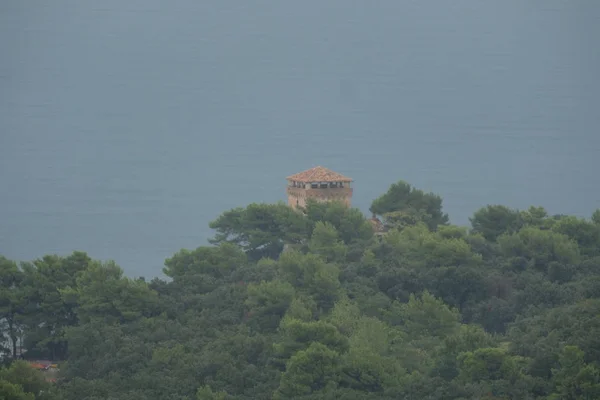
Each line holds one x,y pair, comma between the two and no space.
126,126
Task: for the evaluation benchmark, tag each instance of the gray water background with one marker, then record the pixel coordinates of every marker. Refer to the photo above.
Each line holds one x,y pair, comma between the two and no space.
127,125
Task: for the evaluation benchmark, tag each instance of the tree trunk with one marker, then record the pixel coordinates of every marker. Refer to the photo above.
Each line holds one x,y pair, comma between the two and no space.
13,337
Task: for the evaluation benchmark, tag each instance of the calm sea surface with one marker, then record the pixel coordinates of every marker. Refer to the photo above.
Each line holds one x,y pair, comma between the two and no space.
127,125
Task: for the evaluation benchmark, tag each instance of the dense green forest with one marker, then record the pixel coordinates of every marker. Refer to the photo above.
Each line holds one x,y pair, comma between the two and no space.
314,305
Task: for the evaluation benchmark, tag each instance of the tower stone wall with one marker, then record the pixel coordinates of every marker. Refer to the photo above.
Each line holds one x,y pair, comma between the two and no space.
297,197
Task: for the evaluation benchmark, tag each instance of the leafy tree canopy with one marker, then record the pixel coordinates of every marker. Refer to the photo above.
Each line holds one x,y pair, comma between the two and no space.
311,304
405,204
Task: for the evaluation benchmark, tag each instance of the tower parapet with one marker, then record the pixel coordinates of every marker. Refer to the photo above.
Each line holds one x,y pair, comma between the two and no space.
318,183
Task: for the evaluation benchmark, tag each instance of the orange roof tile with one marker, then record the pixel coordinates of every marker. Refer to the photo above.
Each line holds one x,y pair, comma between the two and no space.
318,174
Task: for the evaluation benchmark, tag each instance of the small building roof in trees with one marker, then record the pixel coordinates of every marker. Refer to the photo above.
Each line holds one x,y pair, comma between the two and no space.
377,224
318,174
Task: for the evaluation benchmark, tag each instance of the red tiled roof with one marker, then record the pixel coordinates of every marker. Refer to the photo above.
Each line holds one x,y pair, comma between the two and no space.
318,174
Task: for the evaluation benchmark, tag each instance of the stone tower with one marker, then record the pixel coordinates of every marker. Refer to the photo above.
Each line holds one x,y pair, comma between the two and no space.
318,183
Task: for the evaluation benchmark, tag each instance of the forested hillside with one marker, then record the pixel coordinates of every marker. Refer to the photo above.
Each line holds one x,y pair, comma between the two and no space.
314,305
